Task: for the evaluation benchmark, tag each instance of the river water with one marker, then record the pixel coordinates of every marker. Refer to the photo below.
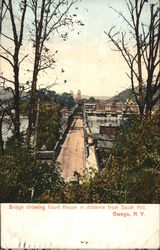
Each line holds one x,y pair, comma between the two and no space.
7,129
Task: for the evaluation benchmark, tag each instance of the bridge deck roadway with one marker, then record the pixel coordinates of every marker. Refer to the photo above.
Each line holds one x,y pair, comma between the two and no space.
71,157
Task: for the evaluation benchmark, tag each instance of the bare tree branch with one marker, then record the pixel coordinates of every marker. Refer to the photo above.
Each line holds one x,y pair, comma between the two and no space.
17,29
7,59
49,16
6,50
144,61
7,37
23,59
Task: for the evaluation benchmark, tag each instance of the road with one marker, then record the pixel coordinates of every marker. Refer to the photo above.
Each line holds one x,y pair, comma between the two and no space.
71,157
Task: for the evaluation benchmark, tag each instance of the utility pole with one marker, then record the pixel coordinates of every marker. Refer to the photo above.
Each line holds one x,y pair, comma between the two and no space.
36,127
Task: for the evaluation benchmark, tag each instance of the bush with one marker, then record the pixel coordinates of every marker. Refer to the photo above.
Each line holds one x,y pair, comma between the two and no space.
49,125
25,179
135,173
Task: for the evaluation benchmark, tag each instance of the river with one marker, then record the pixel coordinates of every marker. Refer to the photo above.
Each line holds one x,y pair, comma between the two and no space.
7,129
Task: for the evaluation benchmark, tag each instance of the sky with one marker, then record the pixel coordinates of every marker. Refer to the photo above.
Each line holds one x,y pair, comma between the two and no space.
89,64
88,59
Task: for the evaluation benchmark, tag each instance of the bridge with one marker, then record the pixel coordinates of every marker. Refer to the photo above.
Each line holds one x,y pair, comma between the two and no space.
72,156
76,156
77,150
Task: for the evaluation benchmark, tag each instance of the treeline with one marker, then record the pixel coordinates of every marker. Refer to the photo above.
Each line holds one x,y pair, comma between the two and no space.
128,95
49,120
44,95
51,104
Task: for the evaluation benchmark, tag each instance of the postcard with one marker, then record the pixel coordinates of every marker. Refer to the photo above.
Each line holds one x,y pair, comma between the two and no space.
80,124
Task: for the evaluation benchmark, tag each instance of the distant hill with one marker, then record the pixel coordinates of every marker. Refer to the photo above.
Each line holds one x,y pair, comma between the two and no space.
5,94
127,94
123,96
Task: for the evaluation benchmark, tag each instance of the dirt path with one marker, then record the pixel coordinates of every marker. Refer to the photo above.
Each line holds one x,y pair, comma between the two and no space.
71,156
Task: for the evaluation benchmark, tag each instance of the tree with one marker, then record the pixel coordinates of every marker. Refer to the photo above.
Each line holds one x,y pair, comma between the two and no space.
140,50
6,107
12,57
2,113
25,179
136,160
1,8
66,100
48,126
49,16
92,99
46,17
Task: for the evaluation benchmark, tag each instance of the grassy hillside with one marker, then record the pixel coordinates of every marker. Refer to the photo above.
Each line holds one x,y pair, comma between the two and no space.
123,96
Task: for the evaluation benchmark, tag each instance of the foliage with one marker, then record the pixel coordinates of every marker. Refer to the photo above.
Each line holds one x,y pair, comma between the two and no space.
91,100
49,125
25,179
66,100
46,95
10,143
71,192
102,155
135,172
24,108
124,95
